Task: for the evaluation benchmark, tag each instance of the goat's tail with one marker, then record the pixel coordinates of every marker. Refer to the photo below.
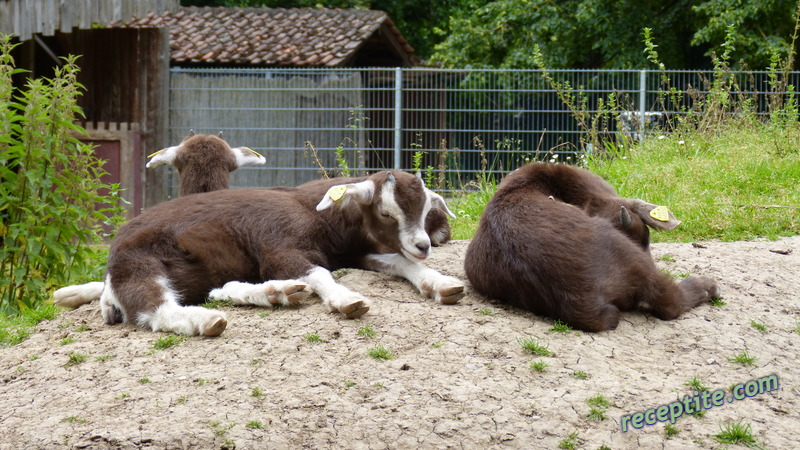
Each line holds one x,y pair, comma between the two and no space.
79,294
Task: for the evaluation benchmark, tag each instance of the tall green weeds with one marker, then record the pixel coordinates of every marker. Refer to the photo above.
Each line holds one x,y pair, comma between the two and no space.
51,207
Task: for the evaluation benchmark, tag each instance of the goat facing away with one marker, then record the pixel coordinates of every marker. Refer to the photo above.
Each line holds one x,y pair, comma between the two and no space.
204,162
558,241
268,247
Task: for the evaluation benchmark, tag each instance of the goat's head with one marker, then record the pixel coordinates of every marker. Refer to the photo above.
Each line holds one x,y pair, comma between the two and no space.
633,217
394,206
205,150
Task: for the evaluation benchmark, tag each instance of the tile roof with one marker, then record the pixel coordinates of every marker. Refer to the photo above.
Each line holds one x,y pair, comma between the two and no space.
269,36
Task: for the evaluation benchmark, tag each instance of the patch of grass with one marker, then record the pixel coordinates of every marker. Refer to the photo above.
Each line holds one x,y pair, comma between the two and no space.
670,430
103,358
560,327
717,301
597,407
349,384
381,353
758,326
367,331
74,419
581,375
539,366
67,341
667,257
314,338
570,442
83,328
736,433
201,382
256,392
214,304
124,395
743,358
182,399
143,380
168,341
76,358
255,362
263,314
696,384
254,425
485,312
438,344
532,345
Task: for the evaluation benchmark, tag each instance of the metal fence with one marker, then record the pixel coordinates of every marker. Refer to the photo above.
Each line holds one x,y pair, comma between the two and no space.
461,120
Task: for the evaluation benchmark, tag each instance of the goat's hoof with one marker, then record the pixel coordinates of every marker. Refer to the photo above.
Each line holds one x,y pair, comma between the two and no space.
451,295
354,310
358,312
287,294
216,328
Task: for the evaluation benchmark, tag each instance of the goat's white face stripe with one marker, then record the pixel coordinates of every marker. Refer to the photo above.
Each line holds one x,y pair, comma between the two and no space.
411,233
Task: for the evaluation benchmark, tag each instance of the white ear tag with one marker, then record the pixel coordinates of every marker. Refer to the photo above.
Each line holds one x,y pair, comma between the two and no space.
335,193
660,213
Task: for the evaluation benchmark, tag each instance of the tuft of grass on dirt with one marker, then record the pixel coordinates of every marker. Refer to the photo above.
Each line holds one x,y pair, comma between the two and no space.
597,407
758,326
168,341
735,433
716,301
532,345
539,366
381,353
581,375
670,430
571,442
560,327
256,392
743,358
15,328
314,338
254,425
367,331
485,312
76,358
696,384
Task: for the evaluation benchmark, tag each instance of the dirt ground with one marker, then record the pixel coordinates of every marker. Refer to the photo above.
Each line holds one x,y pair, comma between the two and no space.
459,377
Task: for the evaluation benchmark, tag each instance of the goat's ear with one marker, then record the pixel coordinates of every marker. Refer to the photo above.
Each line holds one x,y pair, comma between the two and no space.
191,133
246,157
361,193
220,135
163,156
437,201
655,216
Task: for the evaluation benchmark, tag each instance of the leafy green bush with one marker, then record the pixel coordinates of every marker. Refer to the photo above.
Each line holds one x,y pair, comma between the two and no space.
51,206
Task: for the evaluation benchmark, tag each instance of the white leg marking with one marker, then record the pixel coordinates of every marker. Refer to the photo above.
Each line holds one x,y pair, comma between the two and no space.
335,296
109,303
189,320
77,295
270,293
430,283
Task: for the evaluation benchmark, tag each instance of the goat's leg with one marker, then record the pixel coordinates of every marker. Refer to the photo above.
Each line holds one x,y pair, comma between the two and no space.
79,294
152,303
270,293
335,297
673,300
430,283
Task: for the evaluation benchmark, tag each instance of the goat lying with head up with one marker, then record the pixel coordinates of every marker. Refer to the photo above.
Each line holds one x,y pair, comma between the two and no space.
558,241
204,162
267,247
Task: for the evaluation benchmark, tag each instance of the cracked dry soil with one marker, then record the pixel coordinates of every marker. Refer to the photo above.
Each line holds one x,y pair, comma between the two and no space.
459,378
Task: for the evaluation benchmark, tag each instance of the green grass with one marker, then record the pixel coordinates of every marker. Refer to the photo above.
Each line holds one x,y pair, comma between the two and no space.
581,375
485,312
314,338
76,358
597,407
254,425
758,326
256,392
539,366
735,433
167,341
560,327
570,442
381,353
367,331
716,301
671,430
743,358
214,304
696,384
143,380
17,327
532,345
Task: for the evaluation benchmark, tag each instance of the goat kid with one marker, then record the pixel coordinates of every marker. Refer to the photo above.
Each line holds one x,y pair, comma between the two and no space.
553,241
268,247
204,162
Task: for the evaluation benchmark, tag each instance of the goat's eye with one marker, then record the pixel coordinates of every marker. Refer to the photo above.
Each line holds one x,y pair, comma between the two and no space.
386,215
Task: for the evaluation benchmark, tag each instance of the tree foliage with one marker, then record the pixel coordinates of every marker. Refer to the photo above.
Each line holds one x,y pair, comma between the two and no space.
577,33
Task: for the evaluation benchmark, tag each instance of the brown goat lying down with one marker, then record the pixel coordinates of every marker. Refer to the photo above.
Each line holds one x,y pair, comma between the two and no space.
558,241
267,247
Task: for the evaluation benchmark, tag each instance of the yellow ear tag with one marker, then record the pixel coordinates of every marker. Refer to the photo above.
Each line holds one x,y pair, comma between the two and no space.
154,154
336,193
660,213
253,152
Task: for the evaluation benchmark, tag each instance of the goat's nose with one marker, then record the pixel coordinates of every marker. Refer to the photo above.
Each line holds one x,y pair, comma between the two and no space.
423,247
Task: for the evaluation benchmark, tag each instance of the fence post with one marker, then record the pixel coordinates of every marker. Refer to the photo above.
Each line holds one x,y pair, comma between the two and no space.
642,102
398,122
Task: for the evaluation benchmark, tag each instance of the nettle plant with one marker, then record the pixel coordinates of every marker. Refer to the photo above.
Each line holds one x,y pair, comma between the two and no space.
52,205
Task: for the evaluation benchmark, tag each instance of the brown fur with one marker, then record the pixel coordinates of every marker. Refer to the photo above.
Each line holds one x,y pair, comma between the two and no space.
545,243
205,165
200,242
